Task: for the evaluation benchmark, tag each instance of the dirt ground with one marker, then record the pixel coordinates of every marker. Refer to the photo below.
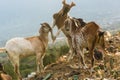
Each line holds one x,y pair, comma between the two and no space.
61,70
108,70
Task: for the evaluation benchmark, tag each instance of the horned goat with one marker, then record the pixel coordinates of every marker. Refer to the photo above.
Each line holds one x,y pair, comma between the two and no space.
17,48
60,17
87,36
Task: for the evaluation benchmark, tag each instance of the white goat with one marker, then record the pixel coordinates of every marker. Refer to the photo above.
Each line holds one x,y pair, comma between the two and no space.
17,48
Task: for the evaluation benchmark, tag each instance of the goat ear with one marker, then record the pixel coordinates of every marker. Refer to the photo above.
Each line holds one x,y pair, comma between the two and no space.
42,24
64,2
76,23
72,4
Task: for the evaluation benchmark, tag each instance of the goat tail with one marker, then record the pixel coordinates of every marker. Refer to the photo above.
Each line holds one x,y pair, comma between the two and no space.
2,50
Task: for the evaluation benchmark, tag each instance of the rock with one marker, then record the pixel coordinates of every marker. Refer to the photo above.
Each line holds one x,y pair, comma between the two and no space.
88,79
117,53
32,75
111,49
107,35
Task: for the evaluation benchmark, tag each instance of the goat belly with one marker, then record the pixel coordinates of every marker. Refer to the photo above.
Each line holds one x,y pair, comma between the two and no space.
20,47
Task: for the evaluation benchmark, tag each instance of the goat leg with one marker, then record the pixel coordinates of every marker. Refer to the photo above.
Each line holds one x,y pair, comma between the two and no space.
16,69
71,50
54,23
83,60
81,55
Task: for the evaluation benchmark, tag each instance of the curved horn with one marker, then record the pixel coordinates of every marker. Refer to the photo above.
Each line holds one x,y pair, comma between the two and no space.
77,24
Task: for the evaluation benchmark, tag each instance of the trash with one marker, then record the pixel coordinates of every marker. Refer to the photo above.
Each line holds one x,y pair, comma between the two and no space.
75,77
48,76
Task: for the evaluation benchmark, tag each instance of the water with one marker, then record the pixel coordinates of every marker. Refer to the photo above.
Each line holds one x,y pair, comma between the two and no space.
23,17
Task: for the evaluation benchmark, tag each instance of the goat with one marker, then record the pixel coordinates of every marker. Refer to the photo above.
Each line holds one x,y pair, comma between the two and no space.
76,22
60,17
88,36
3,75
17,48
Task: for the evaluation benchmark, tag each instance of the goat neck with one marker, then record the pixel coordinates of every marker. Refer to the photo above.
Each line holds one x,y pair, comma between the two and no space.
44,38
52,36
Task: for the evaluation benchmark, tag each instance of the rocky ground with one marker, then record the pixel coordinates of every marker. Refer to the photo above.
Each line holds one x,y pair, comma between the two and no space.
62,70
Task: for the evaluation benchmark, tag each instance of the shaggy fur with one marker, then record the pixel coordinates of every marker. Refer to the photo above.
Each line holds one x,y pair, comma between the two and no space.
88,36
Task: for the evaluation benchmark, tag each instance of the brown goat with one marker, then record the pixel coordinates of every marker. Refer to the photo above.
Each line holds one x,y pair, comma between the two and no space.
88,36
60,17
3,75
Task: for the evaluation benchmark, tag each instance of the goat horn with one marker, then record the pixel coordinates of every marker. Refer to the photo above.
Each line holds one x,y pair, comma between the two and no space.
76,23
72,4
64,2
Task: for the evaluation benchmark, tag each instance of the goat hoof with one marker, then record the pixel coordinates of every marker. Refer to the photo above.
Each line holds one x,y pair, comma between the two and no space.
83,67
37,73
91,71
